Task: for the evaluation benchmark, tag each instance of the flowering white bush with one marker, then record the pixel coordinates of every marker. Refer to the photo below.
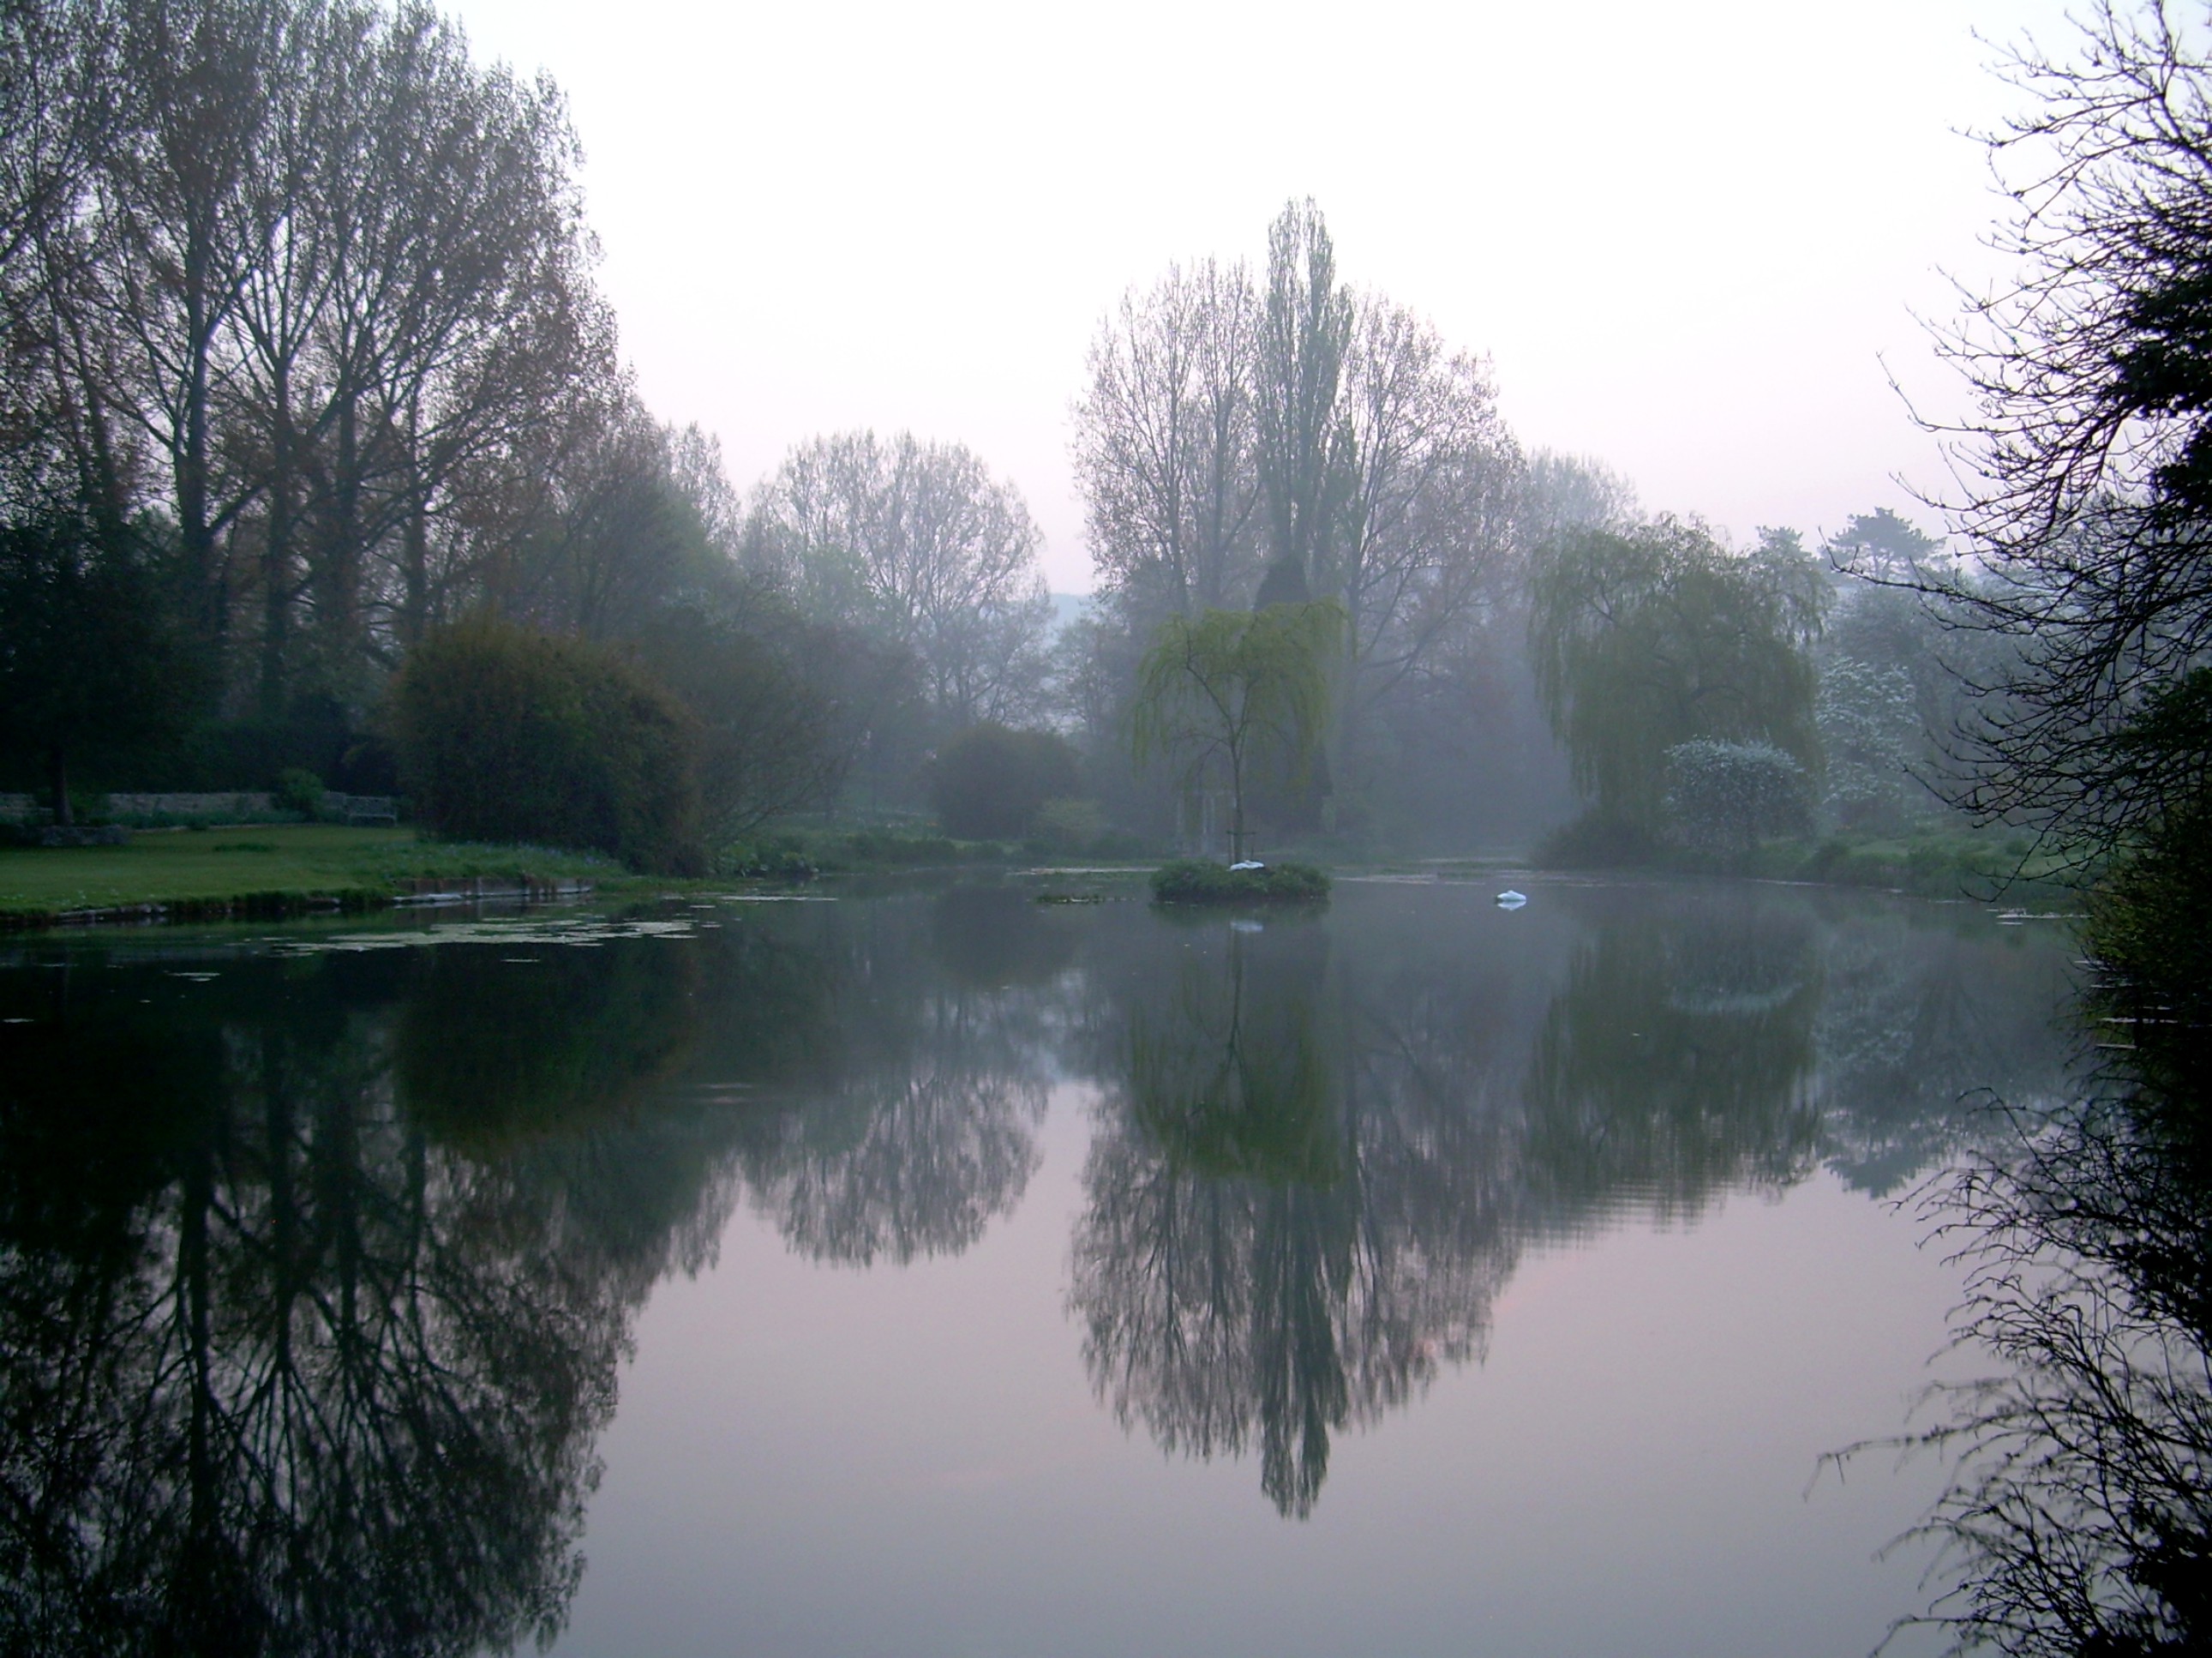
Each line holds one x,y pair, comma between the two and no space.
1729,796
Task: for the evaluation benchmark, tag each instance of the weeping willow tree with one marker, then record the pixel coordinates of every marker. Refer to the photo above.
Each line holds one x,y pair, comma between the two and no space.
1227,689
1646,640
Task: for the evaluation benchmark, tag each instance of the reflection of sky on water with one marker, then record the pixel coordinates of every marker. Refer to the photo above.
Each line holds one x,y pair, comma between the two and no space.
1423,1217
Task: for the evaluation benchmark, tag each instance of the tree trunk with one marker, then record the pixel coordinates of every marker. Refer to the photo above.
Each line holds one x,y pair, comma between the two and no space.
276,558
194,533
1236,806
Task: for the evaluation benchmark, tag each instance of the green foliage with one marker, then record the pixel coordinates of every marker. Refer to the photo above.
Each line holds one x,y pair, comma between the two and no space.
880,847
93,661
2150,929
2164,754
1228,691
1729,796
1882,546
1200,880
990,782
299,790
505,734
776,858
1652,638
1068,826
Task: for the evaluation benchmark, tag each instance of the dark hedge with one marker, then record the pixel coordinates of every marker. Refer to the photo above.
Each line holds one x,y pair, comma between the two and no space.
505,734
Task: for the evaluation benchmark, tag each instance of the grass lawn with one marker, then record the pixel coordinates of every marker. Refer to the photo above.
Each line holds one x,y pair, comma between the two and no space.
168,867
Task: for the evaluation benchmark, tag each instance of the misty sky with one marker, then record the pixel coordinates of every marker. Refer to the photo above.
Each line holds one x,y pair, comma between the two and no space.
1688,236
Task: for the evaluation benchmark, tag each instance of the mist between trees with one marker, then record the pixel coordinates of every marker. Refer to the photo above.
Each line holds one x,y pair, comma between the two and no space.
307,369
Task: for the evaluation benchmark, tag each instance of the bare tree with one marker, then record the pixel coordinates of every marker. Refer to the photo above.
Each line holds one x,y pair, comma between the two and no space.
919,544
1165,445
1428,523
1562,493
2087,455
177,231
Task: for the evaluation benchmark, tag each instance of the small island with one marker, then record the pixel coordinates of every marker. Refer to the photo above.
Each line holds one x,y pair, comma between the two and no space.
1201,881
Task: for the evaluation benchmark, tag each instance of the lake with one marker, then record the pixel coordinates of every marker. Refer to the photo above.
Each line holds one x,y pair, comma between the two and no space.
935,1271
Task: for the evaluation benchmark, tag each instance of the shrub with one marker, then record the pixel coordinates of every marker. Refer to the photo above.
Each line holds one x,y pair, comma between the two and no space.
990,782
1729,796
506,734
300,791
777,857
1068,826
1200,880
880,846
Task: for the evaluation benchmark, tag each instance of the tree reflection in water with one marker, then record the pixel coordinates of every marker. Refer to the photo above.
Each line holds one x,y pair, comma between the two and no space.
1324,1145
315,1277
285,1370
1238,1281
2078,1519
917,1127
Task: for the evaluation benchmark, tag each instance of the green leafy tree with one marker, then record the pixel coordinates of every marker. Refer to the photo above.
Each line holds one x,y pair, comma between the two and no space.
1225,691
770,736
1653,638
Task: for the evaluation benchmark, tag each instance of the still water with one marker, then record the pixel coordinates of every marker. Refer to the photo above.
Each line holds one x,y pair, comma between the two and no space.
937,1272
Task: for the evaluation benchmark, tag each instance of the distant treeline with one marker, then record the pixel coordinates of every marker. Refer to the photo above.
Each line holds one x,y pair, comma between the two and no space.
306,368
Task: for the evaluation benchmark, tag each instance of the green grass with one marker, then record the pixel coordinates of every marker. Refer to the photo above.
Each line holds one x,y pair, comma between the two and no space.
1937,862
268,864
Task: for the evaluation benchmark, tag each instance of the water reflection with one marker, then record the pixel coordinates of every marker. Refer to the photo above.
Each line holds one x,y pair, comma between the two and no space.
278,1361
2079,1515
1274,1246
1677,1061
1324,1145
316,1270
914,1125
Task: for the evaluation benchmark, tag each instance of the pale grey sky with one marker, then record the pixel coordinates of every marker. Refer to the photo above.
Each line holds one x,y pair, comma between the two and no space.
1686,235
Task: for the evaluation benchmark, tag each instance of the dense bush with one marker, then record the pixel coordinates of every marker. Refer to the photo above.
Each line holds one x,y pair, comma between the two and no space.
1200,880
1729,796
1870,728
865,847
506,734
990,782
773,858
299,790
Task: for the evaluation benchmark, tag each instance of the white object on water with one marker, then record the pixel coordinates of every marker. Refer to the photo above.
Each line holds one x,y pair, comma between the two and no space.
1509,899
1242,926
1248,864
